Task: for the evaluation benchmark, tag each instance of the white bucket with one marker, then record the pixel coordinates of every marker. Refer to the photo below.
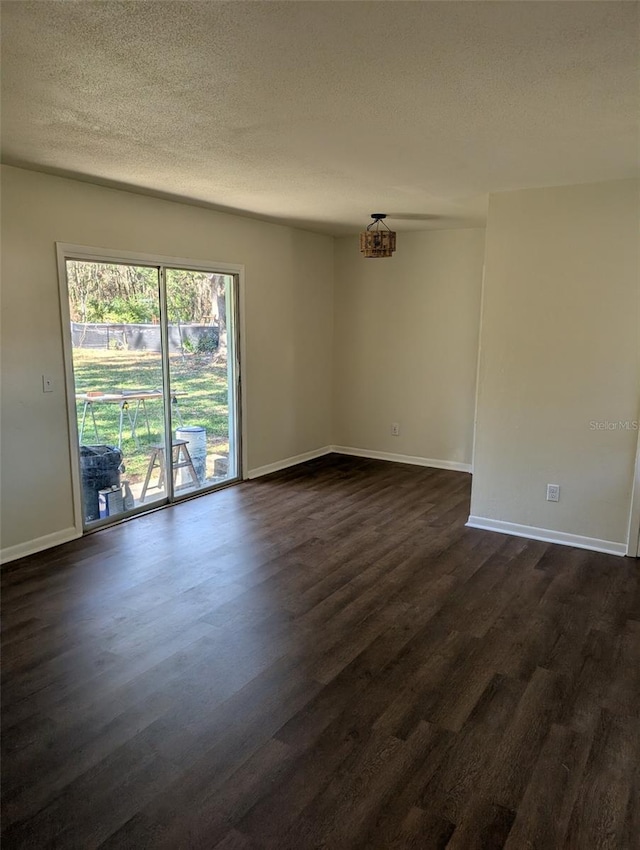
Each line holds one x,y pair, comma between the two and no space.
195,437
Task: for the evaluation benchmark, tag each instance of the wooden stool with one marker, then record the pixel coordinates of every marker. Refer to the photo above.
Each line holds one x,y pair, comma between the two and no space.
181,459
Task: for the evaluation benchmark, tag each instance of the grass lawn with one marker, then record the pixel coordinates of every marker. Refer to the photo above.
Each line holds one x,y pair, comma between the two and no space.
205,404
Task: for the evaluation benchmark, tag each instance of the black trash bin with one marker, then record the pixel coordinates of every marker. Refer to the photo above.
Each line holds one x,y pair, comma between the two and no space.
100,468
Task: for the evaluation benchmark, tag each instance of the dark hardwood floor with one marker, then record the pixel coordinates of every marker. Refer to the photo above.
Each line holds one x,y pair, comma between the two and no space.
323,658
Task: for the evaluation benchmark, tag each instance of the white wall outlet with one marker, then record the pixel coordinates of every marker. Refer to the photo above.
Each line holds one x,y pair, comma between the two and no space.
395,429
553,492
47,384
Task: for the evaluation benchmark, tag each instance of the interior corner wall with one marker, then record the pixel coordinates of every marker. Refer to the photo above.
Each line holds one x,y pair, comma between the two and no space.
288,323
559,374
406,345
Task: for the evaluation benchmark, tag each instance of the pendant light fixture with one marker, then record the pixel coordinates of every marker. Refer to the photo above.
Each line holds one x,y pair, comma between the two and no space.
377,240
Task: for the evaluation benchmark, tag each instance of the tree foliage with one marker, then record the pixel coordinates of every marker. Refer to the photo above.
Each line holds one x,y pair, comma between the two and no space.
189,296
113,293
105,292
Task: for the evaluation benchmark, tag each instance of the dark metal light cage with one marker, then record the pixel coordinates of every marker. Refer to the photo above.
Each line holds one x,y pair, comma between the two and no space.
377,240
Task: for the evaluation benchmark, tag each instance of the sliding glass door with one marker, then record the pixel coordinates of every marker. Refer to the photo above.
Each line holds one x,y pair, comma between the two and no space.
201,371
155,376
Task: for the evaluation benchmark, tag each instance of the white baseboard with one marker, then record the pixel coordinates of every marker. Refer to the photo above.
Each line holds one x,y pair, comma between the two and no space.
30,547
368,453
547,535
454,465
288,461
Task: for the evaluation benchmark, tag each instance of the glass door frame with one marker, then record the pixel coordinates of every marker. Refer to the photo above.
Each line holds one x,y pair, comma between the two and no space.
237,436
633,533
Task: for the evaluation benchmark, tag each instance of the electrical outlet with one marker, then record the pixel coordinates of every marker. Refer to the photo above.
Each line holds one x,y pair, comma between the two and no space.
395,429
47,384
553,492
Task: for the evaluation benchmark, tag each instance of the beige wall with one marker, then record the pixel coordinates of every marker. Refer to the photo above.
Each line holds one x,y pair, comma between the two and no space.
406,341
559,347
288,328
559,350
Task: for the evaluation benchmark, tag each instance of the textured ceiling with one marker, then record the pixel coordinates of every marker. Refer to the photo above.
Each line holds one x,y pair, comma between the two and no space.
319,113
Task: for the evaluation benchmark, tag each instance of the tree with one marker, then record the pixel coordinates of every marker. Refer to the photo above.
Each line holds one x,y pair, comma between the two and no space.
219,290
108,292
